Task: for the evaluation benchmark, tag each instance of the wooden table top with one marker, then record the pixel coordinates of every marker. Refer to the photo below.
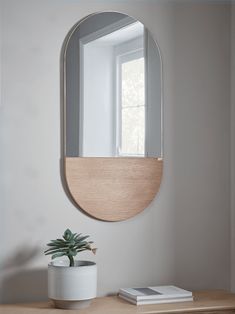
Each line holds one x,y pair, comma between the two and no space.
204,301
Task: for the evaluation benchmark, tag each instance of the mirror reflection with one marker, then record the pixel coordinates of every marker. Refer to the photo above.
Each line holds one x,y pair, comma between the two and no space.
113,89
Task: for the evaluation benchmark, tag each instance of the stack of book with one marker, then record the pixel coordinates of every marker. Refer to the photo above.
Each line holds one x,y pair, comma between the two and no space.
155,295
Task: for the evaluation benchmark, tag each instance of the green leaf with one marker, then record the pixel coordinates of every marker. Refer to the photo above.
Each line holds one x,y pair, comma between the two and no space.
58,255
51,244
79,244
77,236
72,252
73,236
67,234
72,242
57,244
56,247
47,252
82,238
57,241
82,249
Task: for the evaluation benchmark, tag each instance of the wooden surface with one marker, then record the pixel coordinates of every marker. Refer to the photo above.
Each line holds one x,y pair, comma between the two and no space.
113,189
205,302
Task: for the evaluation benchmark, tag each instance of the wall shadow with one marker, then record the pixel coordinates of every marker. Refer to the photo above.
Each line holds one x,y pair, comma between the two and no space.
25,286
20,282
21,257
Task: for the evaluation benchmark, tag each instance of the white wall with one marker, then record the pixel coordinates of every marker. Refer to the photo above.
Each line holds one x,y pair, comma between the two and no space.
201,140
98,109
233,147
183,237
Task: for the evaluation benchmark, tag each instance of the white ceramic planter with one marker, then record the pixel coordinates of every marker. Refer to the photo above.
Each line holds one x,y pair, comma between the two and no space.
72,287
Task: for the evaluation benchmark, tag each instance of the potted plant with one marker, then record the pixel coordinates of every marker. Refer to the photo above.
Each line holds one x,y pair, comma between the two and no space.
71,283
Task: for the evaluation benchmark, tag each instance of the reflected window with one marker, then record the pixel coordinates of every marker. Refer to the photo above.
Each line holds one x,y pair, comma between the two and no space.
131,103
112,87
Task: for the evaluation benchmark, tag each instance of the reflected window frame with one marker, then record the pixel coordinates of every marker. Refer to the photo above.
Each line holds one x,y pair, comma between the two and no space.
131,54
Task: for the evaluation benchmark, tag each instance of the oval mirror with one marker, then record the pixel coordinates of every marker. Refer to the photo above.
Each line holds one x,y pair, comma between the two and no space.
112,115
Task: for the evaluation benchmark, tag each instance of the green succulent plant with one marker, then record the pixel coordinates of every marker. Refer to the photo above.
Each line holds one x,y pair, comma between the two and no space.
70,245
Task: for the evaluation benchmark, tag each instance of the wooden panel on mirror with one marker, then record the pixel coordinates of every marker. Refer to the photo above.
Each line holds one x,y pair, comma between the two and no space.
113,189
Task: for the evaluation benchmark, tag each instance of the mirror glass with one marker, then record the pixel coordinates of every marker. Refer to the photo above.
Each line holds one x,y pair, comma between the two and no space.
113,103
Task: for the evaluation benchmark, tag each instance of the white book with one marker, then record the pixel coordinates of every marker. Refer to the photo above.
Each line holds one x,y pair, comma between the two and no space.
145,302
155,293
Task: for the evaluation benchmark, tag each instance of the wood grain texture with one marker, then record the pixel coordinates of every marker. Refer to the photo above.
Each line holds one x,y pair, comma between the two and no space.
113,189
219,302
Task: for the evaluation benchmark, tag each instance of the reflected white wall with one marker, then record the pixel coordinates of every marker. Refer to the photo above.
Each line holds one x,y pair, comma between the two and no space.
99,102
